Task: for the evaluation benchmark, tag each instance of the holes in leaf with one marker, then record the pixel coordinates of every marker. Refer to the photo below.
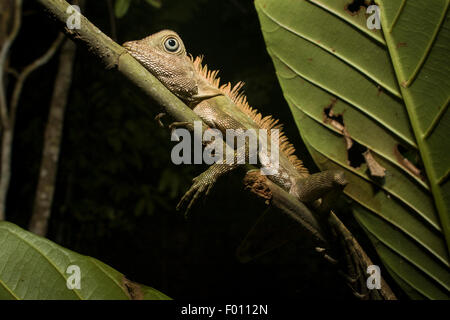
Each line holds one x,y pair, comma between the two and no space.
355,154
356,5
330,115
375,169
337,121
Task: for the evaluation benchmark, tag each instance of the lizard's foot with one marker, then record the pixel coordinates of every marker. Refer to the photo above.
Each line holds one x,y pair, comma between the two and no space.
181,124
158,119
202,184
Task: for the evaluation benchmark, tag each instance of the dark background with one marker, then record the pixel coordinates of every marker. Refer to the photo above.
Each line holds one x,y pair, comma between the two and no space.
117,189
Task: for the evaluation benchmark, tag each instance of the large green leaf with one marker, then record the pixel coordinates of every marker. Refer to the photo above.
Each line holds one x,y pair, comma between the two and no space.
335,73
32,267
418,37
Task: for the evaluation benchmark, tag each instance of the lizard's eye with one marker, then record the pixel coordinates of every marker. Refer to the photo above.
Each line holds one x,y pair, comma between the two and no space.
171,44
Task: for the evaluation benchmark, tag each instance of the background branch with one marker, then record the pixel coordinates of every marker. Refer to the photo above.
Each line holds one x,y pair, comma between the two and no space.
26,72
6,45
52,141
10,119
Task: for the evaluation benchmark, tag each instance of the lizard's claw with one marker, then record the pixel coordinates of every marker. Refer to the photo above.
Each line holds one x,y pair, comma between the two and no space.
184,124
202,184
158,118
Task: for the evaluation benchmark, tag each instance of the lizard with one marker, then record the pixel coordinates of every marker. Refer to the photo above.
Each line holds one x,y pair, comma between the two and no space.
224,106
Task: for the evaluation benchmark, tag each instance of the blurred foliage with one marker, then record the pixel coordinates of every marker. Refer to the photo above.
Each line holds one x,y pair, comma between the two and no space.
121,6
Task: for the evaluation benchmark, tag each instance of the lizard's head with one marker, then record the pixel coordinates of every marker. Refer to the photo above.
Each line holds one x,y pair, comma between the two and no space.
164,55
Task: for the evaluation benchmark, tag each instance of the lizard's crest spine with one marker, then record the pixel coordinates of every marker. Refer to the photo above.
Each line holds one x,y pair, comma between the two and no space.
236,94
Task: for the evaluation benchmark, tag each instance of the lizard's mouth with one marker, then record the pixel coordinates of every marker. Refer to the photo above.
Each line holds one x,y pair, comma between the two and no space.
131,49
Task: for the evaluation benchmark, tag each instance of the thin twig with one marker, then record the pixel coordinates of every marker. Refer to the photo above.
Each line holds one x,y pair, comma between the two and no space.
12,72
27,71
3,54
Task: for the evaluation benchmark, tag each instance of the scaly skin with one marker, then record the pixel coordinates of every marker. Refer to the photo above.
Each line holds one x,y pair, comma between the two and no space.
164,55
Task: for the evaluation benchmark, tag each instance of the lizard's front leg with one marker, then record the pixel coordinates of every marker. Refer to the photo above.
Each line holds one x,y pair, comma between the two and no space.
181,124
204,111
203,184
205,181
